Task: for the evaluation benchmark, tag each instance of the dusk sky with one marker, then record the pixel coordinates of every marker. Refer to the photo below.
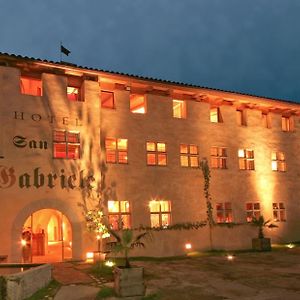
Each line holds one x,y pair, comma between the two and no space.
248,46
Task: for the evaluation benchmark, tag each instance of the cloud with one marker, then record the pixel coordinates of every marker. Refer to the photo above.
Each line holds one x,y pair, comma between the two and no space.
246,46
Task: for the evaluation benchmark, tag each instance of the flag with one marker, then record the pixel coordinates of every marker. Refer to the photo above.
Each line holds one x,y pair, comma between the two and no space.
64,50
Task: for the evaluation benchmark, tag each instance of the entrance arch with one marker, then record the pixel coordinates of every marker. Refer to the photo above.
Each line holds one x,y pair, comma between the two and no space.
46,237
61,207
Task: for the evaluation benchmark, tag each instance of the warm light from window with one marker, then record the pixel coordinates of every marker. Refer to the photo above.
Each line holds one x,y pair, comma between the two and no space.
179,109
137,104
73,93
214,115
31,86
89,255
241,153
230,257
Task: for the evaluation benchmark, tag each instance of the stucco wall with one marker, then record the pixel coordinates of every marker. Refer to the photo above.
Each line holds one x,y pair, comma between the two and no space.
136,182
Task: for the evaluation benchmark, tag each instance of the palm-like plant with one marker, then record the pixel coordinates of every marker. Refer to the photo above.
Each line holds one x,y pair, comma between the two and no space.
261,223
126,241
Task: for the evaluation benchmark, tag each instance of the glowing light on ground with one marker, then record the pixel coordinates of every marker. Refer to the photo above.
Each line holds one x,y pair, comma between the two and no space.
109,263
188,246
230,257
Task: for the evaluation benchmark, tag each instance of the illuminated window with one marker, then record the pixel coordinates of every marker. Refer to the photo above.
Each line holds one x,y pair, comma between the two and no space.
116,150
118,214
266,120
241,117
156,154
218,157
224,212
107,99
252,211
278,161
279,212
73,93
179,109
215,115
287,124
246,159
137,104
189,156
66,144
31,86
160,213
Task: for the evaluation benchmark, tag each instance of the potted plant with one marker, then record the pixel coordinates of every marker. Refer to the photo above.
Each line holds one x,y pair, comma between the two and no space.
128,279
261,243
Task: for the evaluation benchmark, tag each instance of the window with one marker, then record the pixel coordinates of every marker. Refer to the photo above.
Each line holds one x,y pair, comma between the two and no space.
246,159
73,93
266,120
287,124
215,115
252,211
224,212
179,109
31,86
118,214
116,150
107,99
241,117
218,157
156,154
137,104
66,144
278,161
189,156
160,213
279,212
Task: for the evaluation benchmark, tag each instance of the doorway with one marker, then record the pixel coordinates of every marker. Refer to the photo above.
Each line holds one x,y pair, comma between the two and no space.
46,237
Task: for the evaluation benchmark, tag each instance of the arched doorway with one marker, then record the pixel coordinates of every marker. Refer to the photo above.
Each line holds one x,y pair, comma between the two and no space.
46,237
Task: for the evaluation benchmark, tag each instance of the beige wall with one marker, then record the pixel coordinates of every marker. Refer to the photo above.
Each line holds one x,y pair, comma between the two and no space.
137,182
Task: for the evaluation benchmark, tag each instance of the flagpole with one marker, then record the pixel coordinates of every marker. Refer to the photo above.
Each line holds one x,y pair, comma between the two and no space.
60,49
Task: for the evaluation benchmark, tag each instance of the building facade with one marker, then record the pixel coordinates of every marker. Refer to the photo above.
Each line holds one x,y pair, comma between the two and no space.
70,135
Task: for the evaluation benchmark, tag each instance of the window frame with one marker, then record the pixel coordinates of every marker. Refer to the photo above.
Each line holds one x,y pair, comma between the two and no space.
241,117
252,212
113,99
277,163
78,97
216,115
117,151
67,143
218,158
246,160
135,109
34,79
278,208
287,124
156,153
183,112
224,212
266,120
160,213
119,214
189,155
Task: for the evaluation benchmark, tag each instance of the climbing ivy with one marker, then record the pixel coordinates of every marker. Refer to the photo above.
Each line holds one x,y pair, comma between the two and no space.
206,175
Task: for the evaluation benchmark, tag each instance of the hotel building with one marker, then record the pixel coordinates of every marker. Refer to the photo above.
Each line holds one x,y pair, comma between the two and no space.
69,132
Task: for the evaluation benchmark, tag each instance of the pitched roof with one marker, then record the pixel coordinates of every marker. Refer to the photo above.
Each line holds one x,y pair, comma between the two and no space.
182,84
